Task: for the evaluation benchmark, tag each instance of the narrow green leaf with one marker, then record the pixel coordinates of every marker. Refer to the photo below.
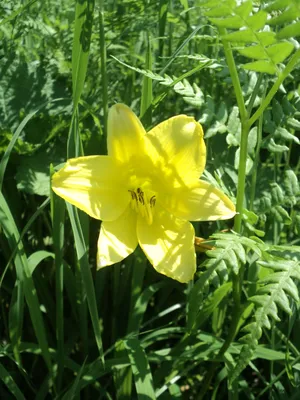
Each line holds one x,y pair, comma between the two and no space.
162,20
141,305
211,303
10,383
15,137
140,369
104,78
24,276
16,317
35,258
147,97
82,255
58,226
81,45
196,294
73,392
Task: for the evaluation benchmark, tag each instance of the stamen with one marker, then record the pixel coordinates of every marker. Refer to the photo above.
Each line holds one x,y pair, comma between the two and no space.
152,201
141,203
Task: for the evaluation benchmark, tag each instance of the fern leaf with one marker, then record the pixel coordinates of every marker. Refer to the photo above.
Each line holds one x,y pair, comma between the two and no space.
289,31
288,14
228,253
291,185
273,291
264,47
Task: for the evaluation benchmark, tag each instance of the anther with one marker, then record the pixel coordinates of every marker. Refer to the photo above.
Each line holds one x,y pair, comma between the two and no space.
152,201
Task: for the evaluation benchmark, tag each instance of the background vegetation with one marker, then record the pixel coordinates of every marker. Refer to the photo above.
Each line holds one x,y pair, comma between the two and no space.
126,332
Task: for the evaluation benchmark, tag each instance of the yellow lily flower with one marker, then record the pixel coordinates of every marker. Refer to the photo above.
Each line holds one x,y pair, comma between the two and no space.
145,191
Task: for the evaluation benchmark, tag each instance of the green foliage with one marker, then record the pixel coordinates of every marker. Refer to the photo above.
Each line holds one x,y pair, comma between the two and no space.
273,290
69,331
251,40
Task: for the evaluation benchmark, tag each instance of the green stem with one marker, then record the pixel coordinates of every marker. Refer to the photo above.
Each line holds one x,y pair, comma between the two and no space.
237,280
288,69
256,161
254,94
234,77
244,134
103,68
241,178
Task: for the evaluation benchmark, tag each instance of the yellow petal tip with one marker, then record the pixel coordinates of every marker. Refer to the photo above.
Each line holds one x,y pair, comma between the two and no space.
101,262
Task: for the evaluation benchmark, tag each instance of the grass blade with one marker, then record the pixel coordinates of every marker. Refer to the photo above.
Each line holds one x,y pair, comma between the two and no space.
10,383
146,100
24,276
82,255
81,45
58,224
140,369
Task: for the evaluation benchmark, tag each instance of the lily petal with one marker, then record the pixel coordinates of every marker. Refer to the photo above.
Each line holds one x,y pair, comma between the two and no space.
95,184
177,146
169,245
201,202
125,138
117,239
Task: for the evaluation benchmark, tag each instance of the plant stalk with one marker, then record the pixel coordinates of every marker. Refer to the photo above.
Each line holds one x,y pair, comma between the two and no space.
237,280
103,69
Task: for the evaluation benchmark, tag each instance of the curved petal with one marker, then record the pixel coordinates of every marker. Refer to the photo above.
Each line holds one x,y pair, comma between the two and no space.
177,147
117,239
95,184
125,133
201,202
169,245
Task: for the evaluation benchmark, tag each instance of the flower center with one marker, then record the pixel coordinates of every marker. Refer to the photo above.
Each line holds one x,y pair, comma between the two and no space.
143,202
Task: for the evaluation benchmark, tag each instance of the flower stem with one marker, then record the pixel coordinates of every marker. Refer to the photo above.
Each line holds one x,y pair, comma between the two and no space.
245,131
256,161
237,280
234,77
241,178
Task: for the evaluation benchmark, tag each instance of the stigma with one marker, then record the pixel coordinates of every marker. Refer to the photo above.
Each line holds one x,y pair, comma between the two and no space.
143,202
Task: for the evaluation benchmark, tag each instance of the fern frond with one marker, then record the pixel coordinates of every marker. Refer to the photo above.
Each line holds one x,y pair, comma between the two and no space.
252,38
273,291
228,254
287,12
